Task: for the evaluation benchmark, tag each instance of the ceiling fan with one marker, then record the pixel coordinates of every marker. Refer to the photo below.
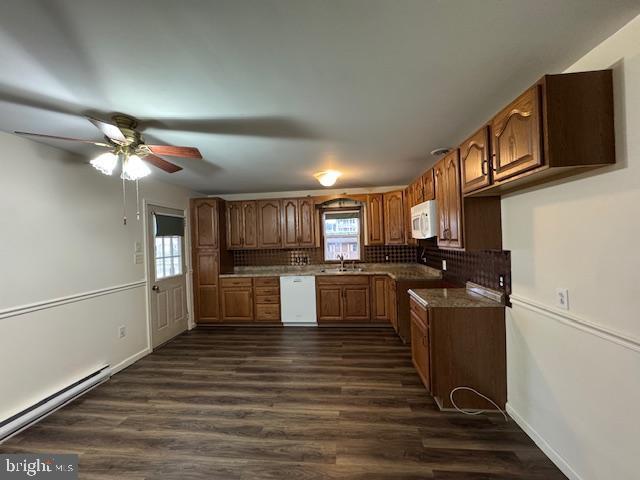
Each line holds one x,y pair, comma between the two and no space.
125,143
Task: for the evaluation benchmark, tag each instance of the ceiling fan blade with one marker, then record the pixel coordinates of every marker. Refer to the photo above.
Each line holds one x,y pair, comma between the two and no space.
185,152
111,131
54,137
162,164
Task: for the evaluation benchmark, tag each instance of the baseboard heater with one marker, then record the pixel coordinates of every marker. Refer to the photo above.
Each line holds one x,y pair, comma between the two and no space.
27,417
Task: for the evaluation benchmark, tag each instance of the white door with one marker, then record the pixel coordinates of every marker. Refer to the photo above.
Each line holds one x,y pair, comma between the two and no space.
166,273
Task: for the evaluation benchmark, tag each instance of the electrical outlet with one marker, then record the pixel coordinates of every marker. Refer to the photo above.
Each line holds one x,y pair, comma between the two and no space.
444,264
562,298
122,331
501,280
386,258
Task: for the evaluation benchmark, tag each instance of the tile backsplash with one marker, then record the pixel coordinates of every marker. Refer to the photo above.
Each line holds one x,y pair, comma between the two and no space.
313,256
483,267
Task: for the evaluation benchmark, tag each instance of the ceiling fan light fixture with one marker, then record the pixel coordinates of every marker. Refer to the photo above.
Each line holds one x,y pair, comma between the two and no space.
133,168
328,177
105,163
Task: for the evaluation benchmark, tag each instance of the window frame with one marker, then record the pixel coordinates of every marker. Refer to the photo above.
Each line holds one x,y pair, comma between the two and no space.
324,210
183,263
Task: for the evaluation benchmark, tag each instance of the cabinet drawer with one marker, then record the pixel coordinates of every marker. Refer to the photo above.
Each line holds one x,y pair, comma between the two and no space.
267,312
418,310
235,282
342,280
270,299
267,291
266,281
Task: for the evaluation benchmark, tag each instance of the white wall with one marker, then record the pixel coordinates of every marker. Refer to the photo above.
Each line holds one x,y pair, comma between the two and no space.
574,377
67,272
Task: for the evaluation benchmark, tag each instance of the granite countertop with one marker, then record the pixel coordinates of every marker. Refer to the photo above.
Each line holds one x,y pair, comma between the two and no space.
452,298
397,271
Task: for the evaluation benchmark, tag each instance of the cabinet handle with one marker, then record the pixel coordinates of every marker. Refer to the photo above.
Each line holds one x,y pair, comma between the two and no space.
424,340
493,163
484,164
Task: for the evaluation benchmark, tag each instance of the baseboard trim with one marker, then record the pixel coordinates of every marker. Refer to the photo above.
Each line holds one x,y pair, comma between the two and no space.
130,360
78,297
548,450
578,322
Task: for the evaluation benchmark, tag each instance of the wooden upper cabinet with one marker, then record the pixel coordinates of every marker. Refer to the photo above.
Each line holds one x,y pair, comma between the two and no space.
290,226
449,201
269,224
241,225
298,222
206,223
474,161
428,187
375,219
250,224
394,218
306,222
516,145
418,192
234,225
408,202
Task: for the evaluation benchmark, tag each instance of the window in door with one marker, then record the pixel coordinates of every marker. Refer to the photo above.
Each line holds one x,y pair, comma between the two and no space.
169,232
342,235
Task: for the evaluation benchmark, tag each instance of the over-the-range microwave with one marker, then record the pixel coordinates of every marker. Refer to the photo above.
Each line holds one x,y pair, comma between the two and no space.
424,220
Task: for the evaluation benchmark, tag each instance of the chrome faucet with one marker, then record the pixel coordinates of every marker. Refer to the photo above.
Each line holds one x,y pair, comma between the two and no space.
341,258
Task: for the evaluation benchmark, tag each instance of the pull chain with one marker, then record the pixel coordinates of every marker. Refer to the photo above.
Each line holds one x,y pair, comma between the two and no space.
137,201
124,203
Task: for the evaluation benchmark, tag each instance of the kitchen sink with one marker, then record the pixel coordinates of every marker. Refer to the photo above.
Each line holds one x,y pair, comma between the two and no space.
341,270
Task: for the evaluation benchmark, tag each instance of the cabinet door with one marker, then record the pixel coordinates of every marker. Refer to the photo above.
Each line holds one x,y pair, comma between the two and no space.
306,222
428,187
420,349
442,206
206,287
454,200
418,192
375,219
206,223
516,136
379,300
290,225
356,303
269,224
249,225
235,226
393,304
393,218
474,161
236,304
408,202
329,303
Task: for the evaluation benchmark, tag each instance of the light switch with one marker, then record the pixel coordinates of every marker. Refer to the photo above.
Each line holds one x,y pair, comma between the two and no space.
138,258
562,298
138,247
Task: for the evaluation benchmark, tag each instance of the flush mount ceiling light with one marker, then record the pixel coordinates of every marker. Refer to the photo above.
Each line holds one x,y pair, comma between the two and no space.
328,177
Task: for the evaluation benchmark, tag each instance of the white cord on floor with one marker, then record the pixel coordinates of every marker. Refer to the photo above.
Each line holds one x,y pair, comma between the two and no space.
478,412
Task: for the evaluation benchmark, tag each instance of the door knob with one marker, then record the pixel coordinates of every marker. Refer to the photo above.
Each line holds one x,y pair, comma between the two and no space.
155,288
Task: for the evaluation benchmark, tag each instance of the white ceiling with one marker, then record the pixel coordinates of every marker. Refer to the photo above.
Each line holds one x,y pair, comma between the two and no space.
273,90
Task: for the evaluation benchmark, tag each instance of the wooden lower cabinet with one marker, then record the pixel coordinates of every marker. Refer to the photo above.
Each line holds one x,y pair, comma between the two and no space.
458,346
267,299
343,299
392,303
379,299
236,299
420,345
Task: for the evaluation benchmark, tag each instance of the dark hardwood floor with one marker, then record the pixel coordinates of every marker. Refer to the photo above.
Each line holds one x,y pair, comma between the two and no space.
295,403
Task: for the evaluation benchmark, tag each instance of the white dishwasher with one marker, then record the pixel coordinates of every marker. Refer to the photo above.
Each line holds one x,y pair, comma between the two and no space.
298,300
